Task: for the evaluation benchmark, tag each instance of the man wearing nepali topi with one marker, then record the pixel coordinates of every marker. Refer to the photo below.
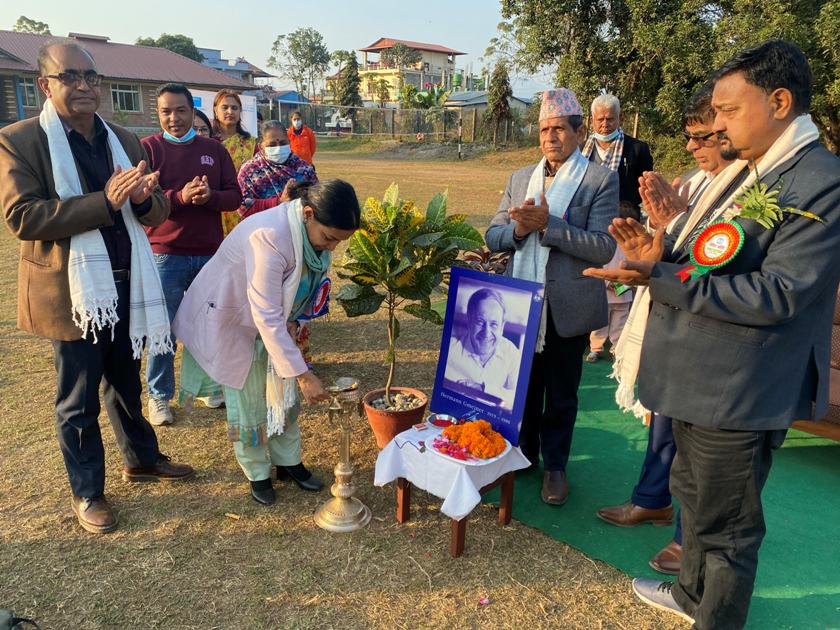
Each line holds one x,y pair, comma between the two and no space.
553,219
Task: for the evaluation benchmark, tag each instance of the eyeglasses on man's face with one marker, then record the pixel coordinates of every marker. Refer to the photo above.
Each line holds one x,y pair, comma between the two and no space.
74,78
705,139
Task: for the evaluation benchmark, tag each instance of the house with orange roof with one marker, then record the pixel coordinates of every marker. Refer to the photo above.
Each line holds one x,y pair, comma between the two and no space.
132,74
436,66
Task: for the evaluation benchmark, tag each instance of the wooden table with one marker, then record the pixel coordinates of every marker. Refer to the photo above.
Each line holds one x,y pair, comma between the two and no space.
458,529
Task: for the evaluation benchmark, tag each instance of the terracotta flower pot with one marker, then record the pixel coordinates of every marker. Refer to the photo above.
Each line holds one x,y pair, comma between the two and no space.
387,424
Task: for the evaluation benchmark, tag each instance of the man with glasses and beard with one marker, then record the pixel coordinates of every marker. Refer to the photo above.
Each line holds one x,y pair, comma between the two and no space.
738,336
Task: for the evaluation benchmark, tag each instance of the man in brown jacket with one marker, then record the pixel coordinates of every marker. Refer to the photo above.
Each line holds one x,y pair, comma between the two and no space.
44,223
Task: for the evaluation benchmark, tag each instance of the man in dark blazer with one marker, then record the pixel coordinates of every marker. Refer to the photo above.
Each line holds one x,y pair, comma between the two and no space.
736,355
575,305
44,223
609,146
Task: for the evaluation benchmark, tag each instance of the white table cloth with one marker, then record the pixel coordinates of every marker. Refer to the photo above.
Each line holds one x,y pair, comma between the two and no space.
458,484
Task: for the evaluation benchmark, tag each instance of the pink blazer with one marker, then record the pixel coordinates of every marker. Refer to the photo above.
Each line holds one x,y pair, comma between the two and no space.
241,292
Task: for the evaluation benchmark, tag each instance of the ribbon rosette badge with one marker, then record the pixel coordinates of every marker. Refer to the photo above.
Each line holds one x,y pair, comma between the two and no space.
714,247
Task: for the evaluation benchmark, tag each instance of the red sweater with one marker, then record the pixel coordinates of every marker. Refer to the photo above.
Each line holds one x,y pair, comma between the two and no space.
192,230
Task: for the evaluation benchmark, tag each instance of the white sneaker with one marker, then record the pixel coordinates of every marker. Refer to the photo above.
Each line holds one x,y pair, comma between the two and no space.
159,413
214,402
657,593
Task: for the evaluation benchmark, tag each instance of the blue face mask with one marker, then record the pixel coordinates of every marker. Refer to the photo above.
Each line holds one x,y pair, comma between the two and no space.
185,138
297,123
278,154
607,138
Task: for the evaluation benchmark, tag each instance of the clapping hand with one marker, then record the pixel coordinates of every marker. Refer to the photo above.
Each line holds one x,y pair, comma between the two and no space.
144,188
530,216
123,183
190,189
202,194
641,249
636,242
662,201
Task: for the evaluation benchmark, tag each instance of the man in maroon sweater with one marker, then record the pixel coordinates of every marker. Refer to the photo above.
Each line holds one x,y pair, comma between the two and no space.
198,177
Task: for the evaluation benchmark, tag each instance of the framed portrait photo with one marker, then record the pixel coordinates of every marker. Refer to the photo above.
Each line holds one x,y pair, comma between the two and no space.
489,336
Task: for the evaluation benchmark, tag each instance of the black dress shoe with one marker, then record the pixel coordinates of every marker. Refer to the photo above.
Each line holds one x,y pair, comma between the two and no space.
263,492
301,476
555,488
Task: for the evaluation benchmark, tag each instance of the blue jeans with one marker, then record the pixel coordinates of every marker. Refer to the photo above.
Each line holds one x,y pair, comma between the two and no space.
176,274
653,491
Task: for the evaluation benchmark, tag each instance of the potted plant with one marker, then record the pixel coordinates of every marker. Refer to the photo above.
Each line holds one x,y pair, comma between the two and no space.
397,259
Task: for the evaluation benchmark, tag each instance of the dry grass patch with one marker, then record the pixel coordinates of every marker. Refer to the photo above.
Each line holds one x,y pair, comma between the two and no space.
177,560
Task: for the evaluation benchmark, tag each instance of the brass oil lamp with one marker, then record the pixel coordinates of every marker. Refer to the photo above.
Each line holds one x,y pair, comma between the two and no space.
344,512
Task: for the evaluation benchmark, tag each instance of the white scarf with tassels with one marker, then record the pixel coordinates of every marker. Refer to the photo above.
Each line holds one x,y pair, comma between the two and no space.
93,293
530,261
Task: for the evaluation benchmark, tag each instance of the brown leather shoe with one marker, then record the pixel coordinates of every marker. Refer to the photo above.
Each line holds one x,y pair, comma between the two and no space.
630,515
163,470
668,560
555,488
95,515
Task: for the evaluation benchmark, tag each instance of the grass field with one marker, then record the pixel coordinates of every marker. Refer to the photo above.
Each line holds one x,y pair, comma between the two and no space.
177,560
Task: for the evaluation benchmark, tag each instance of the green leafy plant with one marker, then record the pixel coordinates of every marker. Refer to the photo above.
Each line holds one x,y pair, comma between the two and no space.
433,96
407,93
399,258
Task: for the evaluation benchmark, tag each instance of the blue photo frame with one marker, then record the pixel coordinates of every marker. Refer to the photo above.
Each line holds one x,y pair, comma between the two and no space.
468,384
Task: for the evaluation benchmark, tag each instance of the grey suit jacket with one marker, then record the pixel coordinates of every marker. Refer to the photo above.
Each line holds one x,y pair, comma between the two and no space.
746,347
578,304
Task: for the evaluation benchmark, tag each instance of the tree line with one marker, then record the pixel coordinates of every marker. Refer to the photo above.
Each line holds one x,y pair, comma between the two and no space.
653,54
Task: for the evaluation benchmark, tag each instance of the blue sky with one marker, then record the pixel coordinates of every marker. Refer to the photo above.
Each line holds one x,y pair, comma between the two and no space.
248,28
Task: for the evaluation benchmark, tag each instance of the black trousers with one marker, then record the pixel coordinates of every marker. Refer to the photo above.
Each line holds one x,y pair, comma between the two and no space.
80,366
718,477
552,403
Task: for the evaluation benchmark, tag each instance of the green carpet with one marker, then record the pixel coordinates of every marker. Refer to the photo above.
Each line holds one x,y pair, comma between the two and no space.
798,583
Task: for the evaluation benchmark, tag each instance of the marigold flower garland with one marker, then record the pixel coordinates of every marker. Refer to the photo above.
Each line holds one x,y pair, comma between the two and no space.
477,437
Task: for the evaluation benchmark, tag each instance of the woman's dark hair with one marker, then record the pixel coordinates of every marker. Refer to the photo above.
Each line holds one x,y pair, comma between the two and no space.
334,202
220,96
772,65
698,109
177,88
272,124
207,122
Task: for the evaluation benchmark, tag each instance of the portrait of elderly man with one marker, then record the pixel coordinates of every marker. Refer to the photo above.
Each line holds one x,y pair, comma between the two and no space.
610,146
482,358
553,219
